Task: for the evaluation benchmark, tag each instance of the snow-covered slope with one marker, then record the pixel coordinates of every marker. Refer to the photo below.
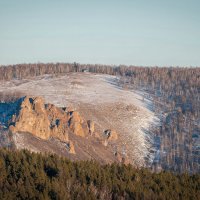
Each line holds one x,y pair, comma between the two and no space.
100,98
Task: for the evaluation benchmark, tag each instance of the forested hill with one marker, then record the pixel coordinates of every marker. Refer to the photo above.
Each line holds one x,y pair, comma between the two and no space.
150,75
25,175
174,91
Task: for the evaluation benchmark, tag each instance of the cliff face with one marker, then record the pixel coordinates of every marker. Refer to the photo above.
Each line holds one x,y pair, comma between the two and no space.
76,135
46,120
43,121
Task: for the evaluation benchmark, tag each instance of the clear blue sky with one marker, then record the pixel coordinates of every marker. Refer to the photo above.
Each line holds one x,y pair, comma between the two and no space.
138,32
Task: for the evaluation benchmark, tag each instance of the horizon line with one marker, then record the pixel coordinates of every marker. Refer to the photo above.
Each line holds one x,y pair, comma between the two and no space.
111,65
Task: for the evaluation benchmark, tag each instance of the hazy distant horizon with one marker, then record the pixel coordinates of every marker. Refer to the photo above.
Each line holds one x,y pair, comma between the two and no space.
140,33
113,65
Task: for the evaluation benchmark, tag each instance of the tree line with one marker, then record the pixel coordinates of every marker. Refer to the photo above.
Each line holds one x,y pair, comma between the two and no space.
26,175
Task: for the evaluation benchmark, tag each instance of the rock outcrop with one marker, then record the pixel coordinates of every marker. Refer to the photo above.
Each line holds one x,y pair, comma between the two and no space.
77,124
43,121
66,125
110,134
46,120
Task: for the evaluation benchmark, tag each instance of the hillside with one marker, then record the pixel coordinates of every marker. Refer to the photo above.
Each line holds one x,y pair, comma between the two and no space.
98,98
133,96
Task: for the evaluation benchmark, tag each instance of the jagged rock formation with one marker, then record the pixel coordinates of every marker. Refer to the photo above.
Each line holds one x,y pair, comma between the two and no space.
43,121
77,124
46,121
111,134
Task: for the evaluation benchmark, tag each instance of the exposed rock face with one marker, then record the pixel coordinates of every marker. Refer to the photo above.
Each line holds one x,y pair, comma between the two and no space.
77,124
65,125
43,121
46,120
110,134
32,119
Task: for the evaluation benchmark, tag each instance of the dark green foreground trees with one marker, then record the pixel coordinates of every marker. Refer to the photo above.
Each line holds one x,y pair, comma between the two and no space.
25,175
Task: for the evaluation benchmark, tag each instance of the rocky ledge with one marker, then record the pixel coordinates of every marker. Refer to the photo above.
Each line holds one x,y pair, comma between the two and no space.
47,121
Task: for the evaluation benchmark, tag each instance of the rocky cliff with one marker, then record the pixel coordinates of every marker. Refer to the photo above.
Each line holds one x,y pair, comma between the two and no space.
46,121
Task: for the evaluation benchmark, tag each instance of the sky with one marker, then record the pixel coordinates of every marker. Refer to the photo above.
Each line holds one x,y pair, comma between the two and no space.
130,32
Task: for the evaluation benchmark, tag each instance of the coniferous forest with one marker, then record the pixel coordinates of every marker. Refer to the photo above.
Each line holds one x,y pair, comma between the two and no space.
26,175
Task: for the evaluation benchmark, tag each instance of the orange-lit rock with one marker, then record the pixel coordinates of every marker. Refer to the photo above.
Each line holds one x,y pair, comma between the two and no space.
110,134
42,122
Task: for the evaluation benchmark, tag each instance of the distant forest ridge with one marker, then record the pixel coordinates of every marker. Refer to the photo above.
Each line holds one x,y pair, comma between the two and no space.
21,71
